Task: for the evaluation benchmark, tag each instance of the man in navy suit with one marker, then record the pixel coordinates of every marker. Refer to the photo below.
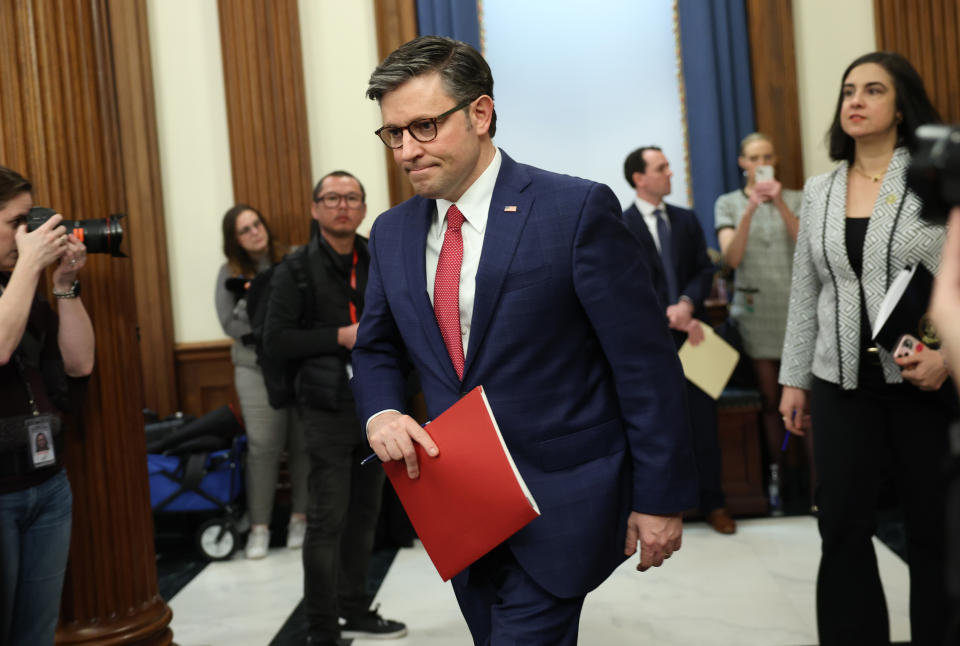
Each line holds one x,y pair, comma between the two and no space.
676,250
526,282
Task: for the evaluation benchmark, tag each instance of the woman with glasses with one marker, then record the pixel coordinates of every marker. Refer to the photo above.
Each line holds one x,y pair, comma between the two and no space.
250,249
875,416
757,229
42,355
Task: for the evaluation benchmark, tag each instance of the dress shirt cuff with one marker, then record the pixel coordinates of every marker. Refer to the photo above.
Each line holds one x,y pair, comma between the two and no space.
370,419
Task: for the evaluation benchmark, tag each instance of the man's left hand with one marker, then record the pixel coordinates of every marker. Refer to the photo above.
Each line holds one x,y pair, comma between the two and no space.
659,536
924,369
679,315
694,332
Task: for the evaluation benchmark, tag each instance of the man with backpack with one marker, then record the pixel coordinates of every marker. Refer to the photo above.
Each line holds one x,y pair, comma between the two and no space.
315,301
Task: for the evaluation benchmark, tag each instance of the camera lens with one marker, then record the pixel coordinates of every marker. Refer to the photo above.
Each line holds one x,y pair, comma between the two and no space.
104,235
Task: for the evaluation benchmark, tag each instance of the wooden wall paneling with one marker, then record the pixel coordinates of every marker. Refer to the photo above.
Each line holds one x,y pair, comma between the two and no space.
205,376
145,228
266,112
927,32
774,69
60,127
396,24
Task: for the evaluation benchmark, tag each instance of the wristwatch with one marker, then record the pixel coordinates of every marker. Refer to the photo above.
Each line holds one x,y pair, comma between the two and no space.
73,292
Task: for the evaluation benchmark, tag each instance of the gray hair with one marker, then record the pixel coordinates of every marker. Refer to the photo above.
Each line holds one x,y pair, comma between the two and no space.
464,72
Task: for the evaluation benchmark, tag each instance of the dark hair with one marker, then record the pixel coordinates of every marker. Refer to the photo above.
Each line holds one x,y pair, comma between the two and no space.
237,257
635,163
464,72
12,184
338,173
913,104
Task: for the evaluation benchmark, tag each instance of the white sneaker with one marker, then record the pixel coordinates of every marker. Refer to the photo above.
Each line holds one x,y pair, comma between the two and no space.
257,543
296,530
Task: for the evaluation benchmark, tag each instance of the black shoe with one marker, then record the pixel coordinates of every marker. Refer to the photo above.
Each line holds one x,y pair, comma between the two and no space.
371,625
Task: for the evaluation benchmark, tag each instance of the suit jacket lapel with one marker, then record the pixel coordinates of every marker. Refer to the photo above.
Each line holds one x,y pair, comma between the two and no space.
500,239
415,262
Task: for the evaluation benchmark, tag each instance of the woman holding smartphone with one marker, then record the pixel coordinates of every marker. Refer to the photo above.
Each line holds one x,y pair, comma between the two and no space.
757,228
874,415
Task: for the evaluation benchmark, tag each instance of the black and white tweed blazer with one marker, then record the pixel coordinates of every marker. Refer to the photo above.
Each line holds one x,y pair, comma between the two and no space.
823,322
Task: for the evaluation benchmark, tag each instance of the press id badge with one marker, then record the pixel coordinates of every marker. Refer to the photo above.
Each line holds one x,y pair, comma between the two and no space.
40,435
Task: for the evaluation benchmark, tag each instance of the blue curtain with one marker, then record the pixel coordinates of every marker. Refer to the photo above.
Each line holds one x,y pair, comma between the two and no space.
456,19
716,71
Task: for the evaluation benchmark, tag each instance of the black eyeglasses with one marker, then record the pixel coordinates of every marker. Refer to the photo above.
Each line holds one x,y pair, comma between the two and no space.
423,130
332,200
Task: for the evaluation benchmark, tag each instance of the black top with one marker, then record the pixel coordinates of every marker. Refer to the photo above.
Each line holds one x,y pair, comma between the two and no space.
40,354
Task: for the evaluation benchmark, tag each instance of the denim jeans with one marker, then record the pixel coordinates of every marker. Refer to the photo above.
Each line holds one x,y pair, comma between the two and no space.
34,545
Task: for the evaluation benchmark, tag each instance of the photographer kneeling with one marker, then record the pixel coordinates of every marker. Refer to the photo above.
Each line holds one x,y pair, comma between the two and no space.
38,350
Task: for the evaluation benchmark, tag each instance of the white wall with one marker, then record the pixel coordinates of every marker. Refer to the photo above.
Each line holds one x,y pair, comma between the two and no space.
578,86
339,53
194,155
829,34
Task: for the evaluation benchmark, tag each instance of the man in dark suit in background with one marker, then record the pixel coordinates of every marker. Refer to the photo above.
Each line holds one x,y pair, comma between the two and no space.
526,282
676,250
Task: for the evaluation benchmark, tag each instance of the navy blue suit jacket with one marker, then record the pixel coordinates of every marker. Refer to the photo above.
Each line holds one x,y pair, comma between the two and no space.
691,262
571,346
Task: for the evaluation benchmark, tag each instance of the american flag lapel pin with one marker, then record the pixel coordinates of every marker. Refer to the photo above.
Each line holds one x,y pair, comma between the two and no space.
510,209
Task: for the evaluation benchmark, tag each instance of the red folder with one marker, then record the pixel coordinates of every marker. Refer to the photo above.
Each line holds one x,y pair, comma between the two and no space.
470,498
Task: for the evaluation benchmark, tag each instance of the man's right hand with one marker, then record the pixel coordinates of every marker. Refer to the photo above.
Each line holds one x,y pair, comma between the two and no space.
391,436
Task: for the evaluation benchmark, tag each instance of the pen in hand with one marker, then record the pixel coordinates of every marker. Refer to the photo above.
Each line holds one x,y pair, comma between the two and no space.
786,436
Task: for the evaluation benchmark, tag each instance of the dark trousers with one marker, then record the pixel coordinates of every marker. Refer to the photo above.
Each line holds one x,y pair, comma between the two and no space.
503,606
706,447
344,502
863,435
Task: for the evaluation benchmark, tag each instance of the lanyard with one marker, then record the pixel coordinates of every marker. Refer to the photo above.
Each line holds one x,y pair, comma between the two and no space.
353,286
22,371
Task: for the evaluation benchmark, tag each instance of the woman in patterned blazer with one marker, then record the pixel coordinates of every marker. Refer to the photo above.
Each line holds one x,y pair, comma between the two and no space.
874,416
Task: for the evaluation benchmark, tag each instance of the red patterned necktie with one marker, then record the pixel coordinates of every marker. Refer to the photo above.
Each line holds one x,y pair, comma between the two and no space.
446,288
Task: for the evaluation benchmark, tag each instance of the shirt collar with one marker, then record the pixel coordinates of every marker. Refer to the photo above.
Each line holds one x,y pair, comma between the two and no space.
646,209
475,201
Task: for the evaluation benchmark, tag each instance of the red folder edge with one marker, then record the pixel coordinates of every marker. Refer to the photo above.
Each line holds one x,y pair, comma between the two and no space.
468,499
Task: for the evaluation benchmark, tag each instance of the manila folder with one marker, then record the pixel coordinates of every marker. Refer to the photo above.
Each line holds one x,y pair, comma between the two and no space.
470,498
710,363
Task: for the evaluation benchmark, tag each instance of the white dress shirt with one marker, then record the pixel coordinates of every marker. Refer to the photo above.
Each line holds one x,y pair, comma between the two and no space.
646,210
475,205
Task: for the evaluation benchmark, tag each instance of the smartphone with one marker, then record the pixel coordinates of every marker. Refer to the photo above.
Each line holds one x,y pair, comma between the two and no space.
763,173
906,346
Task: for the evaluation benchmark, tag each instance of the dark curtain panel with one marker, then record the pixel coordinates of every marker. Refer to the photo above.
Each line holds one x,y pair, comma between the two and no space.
456,19
719,102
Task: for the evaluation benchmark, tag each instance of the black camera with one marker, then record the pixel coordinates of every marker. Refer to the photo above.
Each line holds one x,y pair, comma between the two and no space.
934,173
104,235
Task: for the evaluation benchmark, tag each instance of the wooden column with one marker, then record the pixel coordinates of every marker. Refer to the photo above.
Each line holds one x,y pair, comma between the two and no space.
267,112
773,64
927,33
396,24
60,113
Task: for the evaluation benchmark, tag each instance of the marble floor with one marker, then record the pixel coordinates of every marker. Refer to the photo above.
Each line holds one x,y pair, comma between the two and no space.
755,587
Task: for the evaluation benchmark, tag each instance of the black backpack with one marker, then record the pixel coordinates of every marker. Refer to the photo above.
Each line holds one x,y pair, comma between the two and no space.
279,374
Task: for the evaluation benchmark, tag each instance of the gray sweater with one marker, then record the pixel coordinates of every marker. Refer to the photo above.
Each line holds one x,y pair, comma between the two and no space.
233,317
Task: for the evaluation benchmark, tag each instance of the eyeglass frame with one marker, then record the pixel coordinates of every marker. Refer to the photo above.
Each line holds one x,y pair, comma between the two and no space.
436,127
341,197
250,228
